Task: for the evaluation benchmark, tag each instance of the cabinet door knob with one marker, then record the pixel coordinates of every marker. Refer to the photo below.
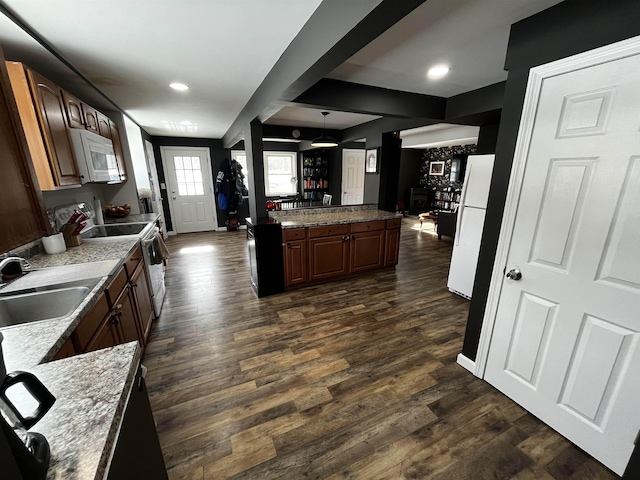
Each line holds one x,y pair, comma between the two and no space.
288,245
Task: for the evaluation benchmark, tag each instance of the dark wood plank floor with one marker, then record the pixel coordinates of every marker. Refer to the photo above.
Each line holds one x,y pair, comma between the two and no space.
350,379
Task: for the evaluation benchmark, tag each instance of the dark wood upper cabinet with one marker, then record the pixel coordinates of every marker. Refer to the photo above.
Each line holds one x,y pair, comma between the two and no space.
22,213
55,129
73,108
44,122
90,115
117,147
104,128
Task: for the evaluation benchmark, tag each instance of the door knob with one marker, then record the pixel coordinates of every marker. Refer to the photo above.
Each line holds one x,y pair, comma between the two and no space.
514,274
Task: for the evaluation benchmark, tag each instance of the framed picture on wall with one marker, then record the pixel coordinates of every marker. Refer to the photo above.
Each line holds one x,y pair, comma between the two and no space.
371,161
436,168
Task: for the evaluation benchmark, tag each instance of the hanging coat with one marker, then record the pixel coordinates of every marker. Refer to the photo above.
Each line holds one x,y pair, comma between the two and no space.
223,185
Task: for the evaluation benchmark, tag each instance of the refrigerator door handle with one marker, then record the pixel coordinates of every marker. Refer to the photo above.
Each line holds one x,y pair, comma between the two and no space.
458,224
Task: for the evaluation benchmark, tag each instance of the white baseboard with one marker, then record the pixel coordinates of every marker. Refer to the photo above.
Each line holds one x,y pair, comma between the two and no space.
467,364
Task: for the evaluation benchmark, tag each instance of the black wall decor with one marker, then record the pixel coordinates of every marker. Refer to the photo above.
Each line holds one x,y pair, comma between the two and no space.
442,154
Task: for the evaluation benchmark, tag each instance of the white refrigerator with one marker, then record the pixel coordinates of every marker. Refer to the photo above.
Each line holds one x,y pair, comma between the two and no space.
470,222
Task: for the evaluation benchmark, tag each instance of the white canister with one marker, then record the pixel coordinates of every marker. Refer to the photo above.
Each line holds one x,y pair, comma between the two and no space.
54,243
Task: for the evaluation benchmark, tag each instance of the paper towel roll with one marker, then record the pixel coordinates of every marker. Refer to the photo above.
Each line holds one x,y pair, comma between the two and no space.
97,207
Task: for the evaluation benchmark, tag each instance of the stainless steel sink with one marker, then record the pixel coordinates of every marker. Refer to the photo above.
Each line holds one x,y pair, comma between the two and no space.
43,303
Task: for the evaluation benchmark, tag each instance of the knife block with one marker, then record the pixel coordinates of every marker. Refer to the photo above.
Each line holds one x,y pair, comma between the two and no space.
69,239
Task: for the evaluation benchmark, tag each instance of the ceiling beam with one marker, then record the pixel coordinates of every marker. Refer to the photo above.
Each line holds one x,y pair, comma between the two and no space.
335,31
461,108
333,94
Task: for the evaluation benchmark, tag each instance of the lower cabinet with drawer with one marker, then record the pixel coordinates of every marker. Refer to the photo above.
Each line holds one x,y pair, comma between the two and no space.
367,245
123,313
294,254
324,252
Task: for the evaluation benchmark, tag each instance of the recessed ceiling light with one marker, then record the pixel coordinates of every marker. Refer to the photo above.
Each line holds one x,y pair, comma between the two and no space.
438,71
179,86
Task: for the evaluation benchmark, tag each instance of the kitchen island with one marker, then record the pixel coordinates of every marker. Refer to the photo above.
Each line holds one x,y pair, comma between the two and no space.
327,243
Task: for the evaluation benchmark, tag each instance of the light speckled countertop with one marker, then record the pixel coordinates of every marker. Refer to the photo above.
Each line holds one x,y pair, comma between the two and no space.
91,389
29,344
89,251
313,217
91,393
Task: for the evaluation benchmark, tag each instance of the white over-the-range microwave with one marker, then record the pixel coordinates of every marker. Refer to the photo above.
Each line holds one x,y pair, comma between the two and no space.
95,156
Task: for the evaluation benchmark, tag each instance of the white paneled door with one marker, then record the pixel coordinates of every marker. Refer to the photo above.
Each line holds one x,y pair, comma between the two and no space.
352,176
190,188
565,342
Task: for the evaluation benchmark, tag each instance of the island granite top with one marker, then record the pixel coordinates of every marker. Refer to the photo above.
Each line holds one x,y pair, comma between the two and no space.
313,217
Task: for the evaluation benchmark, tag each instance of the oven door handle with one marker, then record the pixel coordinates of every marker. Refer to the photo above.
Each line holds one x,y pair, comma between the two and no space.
150,238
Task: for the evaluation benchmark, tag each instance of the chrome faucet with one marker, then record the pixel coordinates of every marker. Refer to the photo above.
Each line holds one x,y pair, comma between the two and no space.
24,264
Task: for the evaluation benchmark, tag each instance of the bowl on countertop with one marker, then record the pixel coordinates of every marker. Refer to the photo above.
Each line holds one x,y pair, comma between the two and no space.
115,211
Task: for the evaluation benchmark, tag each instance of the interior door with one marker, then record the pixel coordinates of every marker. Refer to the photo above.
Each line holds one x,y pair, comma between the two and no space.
188,172
352,177
565,342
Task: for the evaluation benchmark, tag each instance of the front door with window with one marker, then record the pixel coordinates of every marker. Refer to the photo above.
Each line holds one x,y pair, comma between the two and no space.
190,188
566,341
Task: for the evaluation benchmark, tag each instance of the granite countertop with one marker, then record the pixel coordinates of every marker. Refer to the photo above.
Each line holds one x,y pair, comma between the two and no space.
91,389
89,251
312,217
29,344
91,393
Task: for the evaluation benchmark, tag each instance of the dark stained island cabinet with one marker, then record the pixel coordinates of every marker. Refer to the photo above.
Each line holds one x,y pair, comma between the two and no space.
319,253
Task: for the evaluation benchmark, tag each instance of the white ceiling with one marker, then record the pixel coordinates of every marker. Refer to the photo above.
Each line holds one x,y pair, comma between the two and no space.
468,35
132,49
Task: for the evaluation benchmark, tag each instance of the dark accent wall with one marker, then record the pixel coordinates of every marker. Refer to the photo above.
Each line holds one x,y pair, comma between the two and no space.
216,152
255,168
389,167
488,138
410,162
